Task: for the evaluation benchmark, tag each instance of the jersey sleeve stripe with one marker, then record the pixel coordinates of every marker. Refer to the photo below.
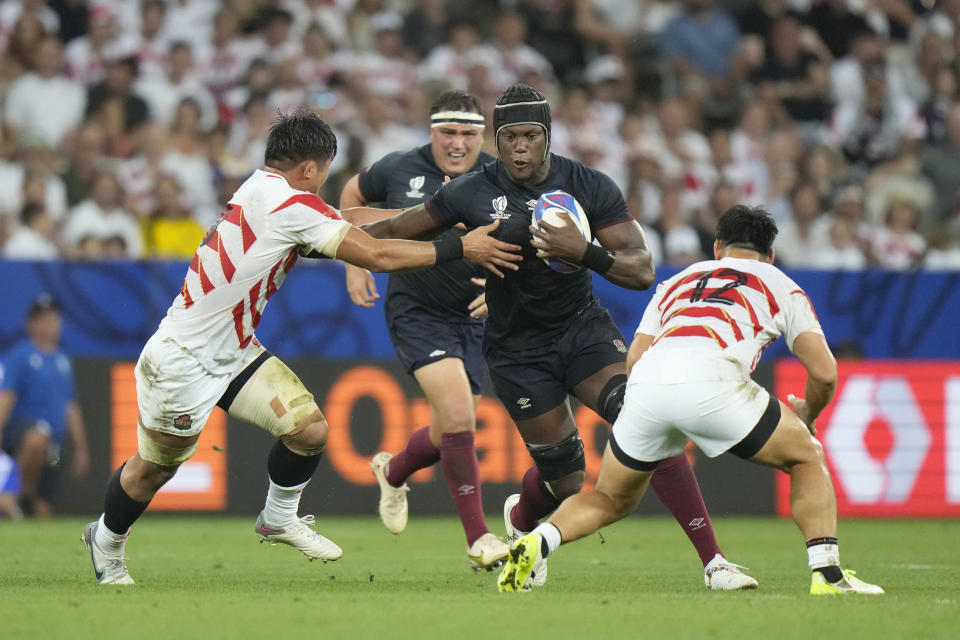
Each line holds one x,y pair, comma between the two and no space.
310,200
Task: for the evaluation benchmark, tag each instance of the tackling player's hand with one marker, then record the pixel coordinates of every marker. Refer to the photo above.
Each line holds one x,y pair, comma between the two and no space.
478,308
488,252
565,242
361,286
803,412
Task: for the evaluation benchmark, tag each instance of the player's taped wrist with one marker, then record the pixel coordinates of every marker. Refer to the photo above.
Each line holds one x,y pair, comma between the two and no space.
448,249
597,259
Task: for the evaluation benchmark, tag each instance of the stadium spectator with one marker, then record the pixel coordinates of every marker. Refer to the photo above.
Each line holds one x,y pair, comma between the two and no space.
165,92
435,325
426,26
735,414
384,70
451,60
332,14
897,245
940,164
86,155
170,232
44,103
34,239
153,43
118,86
32,179
21,46
511,59
318,64
205,354
842,251
102,217
532,375
39,414
943,250
799,244
275,41
89,55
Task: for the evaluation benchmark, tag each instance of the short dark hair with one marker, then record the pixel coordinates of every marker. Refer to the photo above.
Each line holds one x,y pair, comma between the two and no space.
456,101
747,228
44,303
299,136
30,212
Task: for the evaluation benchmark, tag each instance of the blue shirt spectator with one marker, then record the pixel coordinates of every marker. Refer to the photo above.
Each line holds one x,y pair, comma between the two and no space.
704,37
43,384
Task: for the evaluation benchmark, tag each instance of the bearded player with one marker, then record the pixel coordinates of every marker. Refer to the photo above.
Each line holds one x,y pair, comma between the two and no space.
546,335
434,320
205,354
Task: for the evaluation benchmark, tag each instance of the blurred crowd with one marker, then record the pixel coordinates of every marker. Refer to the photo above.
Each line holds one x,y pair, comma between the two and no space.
128,123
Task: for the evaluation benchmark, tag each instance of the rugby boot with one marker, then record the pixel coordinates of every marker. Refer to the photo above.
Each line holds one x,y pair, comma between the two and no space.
849,584
298,533
522,563
109,568
487,552
722,575
393,500
539,576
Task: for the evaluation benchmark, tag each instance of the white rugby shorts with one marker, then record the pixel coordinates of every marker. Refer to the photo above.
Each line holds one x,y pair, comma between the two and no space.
175,394
674,396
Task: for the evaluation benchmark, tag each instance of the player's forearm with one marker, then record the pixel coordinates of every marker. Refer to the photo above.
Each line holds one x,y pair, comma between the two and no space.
631,269
359,216
818,394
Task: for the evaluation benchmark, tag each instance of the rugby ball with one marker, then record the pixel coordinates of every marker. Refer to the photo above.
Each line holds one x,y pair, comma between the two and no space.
548,208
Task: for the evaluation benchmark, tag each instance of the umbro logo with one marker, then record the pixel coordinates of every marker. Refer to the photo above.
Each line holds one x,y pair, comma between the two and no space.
499,208
465,489
531,204
437,352
524,403
697,523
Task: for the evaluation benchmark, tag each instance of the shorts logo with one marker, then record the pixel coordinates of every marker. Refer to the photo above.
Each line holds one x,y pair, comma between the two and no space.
499,208
618,343
697,523
183,422
415,185
524,403
437,352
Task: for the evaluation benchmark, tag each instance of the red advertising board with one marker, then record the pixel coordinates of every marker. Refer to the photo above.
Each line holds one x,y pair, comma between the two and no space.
891,437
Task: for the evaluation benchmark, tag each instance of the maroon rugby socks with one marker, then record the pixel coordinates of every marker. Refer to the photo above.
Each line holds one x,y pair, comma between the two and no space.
535,502
419,453
676,486
458,457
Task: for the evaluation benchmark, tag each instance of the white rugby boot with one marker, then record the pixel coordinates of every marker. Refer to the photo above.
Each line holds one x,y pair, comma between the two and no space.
487,552
299,535
722,575
110,568
538,575
393,500
849,584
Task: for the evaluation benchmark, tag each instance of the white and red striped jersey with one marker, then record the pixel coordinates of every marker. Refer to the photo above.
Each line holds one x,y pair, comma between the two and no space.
242,262
736,305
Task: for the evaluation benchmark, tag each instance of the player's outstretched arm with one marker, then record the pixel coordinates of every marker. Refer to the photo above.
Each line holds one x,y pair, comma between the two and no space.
415,222
632,266
811,349
641,342
360,249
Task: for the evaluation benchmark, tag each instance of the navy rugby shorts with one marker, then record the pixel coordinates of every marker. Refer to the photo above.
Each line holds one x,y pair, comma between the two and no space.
421,338
531,382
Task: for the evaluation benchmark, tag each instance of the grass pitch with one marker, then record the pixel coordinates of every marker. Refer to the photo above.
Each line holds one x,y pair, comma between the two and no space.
206,577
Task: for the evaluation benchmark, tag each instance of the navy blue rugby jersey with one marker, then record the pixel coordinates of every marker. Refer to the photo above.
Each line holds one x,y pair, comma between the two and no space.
403,179
531,306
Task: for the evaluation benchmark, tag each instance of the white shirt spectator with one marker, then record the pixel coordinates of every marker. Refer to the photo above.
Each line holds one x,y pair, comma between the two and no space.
331,14
11,191
163,96
27,244
88,219
943,259
47,108
898,251
195,175
11,10
798,249
191,20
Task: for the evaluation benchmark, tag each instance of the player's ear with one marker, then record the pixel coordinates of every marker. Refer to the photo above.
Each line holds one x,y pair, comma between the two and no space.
717,249
771,256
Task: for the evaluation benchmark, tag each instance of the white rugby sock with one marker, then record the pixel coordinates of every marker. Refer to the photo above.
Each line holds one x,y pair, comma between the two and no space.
551,535
282,503
108,541
823,555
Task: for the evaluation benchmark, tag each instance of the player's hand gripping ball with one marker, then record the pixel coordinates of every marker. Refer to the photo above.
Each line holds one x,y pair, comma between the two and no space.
549,206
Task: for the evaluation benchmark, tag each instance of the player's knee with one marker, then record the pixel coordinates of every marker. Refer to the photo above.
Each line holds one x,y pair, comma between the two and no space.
35,442
311,440
610,400
458,420
562,465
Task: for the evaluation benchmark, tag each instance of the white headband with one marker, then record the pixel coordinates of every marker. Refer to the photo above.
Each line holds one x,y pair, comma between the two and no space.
456,117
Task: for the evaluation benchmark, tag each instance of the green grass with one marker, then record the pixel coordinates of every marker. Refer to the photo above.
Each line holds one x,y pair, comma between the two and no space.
207,578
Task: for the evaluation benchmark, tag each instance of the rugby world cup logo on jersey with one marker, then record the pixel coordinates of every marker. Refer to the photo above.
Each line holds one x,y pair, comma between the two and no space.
415,185
499,208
